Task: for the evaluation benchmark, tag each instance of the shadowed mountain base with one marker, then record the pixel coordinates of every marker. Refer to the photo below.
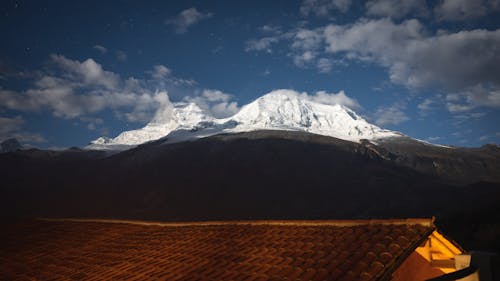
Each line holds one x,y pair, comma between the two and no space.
259,175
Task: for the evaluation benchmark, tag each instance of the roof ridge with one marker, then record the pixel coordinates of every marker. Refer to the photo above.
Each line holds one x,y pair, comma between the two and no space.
408,221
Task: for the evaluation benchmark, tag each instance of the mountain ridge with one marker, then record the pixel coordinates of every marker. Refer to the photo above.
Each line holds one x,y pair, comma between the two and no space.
278,110
259,175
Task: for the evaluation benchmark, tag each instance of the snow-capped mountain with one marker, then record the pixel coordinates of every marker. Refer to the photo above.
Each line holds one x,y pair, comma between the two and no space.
288,110
182,116
277,110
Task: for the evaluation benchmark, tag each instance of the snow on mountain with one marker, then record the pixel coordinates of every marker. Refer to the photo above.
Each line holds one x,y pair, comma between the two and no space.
277,110
179,116
289,110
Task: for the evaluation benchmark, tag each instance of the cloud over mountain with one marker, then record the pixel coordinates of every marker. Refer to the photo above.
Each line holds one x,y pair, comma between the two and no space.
187,18
396,9
71,89
464,63
323,8
12,127
459,10
216,103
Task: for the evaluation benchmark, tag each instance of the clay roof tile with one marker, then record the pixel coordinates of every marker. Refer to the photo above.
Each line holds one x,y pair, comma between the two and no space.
253,250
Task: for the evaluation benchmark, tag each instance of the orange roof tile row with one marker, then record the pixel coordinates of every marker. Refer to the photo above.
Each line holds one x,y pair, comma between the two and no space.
90,250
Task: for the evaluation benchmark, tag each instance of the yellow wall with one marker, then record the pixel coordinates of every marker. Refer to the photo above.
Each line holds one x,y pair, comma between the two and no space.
439,252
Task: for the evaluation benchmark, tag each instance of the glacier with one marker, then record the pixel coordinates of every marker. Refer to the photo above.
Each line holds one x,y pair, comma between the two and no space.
278,110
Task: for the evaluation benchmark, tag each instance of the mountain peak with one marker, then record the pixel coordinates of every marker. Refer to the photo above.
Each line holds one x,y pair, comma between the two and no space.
10,145
289,110
278,110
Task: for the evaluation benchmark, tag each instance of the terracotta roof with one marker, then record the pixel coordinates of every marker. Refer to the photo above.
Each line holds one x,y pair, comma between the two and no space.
261,250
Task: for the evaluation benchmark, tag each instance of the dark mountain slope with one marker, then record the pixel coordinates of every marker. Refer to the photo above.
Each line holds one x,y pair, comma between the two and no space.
257,175
265,174
457,165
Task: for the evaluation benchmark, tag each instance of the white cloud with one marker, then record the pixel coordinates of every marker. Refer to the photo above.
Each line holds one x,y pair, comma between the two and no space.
414,59
484,138
463,62
454,108
323,97
334,98
8,125
464,117
265,43
183,82
396,9
269,28
216,95
88,72
306,39
164,110
480,95
224,109
217,49
92,122
12,128
14,100
262,44
55,94
266,72
75,89
391,115
160,72
324,65
146,105
215,103
473,97
459,10
466,59
305,46
101,49
432,139
379,40
304,58
426,105
186,19
323,8
121,56
162,75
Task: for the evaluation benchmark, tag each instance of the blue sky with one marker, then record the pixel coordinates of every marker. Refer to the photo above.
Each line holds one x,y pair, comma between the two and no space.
71,72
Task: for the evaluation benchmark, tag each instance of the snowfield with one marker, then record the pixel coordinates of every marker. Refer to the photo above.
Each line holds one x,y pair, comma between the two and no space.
277,110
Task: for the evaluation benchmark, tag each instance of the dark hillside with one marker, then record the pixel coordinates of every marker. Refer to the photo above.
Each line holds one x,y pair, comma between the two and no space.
259,175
